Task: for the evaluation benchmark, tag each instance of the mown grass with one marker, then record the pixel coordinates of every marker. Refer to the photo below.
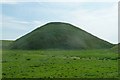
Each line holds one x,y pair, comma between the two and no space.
59,64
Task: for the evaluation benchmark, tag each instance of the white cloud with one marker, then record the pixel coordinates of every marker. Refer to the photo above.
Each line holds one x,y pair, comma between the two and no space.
10,22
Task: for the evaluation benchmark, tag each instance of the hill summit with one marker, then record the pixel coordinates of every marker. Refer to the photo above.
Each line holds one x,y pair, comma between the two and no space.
59,35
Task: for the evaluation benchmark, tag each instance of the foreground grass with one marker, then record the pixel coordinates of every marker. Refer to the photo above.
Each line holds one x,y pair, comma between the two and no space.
59,64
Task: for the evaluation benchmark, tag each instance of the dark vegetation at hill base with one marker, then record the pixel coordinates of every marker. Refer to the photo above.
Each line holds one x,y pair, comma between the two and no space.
57,35
116,48
6,44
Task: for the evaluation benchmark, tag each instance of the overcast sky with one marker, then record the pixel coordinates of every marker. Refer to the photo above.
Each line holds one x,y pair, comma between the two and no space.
97,18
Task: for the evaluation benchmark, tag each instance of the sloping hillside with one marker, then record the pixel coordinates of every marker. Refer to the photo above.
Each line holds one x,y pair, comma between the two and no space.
116,48
5,44
57,35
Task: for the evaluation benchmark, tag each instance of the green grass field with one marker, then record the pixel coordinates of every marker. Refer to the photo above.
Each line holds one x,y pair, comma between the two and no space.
59,64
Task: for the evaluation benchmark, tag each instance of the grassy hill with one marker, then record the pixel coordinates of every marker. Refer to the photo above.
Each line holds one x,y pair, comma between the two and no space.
0,44
5,44
58,35
116,48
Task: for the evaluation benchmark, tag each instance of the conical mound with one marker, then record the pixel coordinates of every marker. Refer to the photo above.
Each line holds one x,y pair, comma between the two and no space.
58,35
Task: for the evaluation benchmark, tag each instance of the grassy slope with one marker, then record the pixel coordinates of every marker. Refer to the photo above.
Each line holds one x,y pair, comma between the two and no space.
66,64
5,44
60,36
0,44
116,48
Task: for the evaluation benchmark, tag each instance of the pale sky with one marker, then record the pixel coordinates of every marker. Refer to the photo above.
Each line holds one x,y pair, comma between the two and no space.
97,18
